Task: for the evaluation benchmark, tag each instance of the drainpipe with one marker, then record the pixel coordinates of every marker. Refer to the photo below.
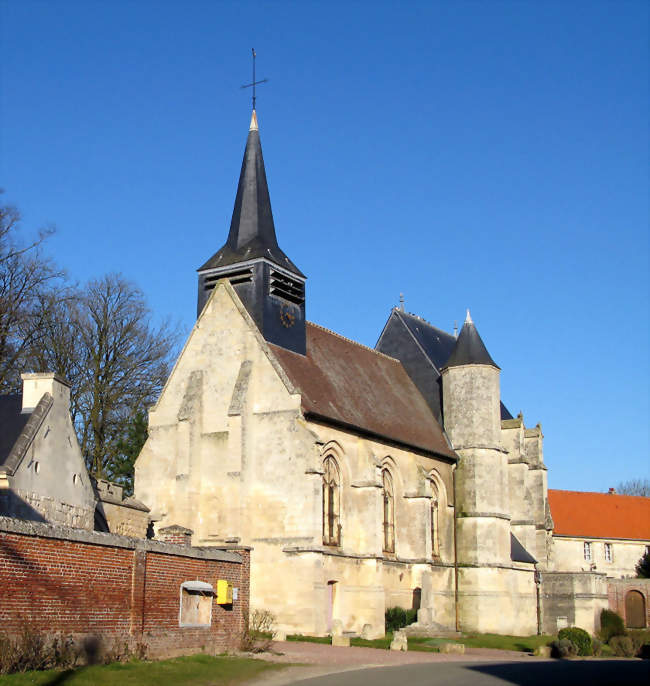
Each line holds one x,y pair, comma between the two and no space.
453,477
538,586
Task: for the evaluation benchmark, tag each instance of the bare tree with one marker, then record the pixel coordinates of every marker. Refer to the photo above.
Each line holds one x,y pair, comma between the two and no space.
102,339
634,487
25,277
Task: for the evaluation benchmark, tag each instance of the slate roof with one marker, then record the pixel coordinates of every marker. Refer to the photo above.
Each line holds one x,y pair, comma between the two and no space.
12,422
518,553
17,429
469,348
348,384
436,345
252,231
600,515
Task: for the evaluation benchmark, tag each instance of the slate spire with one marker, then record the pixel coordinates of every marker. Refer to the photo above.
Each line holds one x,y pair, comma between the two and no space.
252,231
469,348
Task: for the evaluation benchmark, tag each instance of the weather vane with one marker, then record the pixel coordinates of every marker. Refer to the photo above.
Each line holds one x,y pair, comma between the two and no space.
254,83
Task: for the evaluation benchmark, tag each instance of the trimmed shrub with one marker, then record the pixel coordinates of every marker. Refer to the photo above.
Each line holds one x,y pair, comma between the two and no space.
563,647
397,618
579,637
640,637
596,647
622,646
611,624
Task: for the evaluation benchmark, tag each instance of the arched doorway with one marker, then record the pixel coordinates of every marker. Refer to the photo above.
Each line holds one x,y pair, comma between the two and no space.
635,610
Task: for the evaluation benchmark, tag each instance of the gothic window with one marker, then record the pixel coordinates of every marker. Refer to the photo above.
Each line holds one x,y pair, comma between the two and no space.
389,512
435,522
587,551
331,502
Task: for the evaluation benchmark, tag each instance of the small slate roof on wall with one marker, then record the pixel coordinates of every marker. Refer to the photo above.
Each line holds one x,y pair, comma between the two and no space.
600,515
518,553
347,383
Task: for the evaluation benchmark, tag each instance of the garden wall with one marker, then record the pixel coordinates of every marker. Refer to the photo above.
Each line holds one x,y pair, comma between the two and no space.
126,590
630,598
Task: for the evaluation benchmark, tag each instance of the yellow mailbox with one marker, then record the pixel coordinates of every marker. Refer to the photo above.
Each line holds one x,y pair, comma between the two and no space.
224,592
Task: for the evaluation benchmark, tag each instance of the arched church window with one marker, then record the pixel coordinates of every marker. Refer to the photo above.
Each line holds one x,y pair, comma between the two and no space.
331,502
435,521
389,511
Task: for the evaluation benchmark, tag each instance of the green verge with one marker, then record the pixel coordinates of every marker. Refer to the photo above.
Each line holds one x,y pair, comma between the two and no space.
196,670
525,644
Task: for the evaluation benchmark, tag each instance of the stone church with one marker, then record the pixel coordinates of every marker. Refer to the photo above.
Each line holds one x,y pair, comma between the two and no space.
361,478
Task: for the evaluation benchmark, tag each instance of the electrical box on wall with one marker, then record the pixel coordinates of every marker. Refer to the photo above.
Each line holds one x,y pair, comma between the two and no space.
224,592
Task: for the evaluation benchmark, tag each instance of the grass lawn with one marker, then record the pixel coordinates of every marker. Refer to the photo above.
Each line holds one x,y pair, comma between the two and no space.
197,670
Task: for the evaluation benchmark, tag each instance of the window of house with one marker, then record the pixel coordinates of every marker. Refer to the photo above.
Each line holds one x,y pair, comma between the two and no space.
608,552
389,512
587,551
435,522
196,604
331,502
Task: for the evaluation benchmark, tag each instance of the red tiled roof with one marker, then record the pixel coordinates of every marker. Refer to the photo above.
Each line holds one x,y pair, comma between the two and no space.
600,515
345,382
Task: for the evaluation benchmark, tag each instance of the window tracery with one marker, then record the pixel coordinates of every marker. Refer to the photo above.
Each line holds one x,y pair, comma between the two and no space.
331,502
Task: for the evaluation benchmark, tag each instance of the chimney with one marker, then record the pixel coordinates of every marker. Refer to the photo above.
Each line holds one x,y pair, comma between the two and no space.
35,386
177,535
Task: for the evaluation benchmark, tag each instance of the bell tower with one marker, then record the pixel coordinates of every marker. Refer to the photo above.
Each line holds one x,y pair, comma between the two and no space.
269,284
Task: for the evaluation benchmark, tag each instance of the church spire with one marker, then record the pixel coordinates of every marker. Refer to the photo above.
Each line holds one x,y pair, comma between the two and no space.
268,283
252,231
469,348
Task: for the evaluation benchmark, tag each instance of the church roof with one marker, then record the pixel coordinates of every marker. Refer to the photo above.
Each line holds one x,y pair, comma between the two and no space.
600,515
469,348
252,231
346,383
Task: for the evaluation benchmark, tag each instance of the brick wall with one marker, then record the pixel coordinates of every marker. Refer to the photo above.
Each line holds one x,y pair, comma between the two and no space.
121,589
617,590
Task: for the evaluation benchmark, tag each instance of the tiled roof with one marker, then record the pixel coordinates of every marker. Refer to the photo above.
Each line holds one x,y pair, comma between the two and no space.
600,515
349,384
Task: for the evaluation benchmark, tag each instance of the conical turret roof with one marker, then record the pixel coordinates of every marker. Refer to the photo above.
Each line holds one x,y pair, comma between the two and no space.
252,231
469,348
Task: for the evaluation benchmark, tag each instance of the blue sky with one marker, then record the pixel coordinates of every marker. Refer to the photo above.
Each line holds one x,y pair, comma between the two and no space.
491,155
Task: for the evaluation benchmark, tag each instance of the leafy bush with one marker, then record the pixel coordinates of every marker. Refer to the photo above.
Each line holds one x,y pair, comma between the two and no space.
640,637
611,624
622,646
579,637
563,647
596,647
397,618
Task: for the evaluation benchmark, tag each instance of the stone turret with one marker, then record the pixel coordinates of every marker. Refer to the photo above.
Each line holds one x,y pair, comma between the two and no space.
472,420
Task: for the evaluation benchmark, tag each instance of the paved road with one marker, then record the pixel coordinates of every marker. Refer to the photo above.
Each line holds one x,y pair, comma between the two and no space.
557,673
324,665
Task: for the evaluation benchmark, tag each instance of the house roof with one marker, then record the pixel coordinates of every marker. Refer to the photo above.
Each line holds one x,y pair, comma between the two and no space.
346,383
252,231
17,428
12,422
600,515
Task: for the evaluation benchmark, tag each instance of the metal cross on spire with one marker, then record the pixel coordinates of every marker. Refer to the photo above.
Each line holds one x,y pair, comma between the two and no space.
254,82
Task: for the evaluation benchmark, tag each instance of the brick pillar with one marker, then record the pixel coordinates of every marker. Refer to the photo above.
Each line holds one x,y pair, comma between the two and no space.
138,579
178,535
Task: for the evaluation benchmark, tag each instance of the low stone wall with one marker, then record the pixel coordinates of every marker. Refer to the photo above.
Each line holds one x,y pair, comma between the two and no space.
572,599
618,590
120,589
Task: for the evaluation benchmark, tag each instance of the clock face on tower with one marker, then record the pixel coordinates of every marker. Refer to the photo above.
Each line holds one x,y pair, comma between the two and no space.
287,317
